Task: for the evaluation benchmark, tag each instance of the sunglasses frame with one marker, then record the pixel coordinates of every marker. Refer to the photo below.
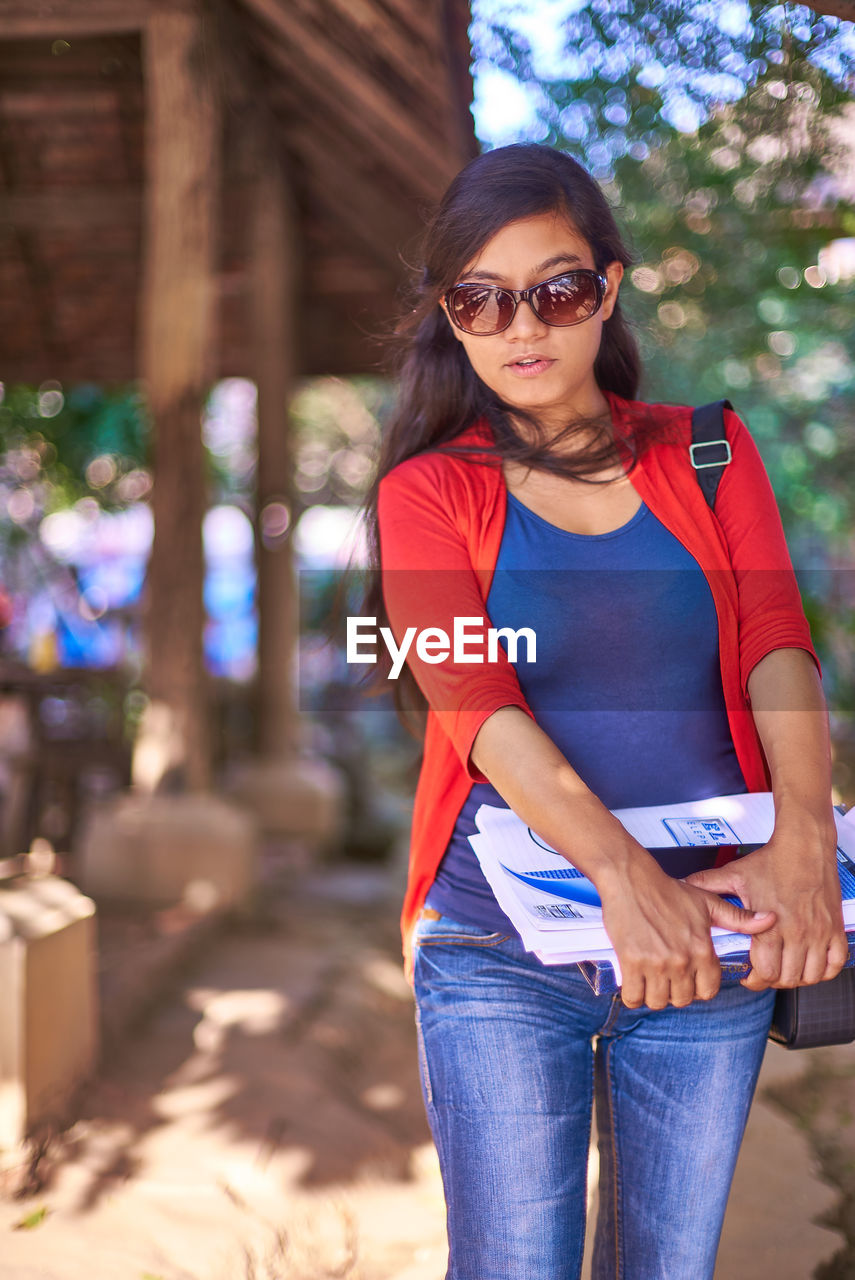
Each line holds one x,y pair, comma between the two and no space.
525,295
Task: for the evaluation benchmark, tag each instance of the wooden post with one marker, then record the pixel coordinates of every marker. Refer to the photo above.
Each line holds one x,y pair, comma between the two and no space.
177,341
273,305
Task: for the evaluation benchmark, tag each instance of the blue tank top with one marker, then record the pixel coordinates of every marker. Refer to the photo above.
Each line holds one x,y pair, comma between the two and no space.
626,680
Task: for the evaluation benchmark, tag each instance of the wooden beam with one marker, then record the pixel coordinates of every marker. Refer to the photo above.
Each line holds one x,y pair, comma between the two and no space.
264,117
417,18
77,208
343,275
352,22
368,136
177,341
377,214
326,76
333,155
37,276
274,323
130,114
102,61
57,101
375,219
62,21
456,17
844,9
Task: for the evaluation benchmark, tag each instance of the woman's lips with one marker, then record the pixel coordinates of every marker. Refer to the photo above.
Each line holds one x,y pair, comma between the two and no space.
530,368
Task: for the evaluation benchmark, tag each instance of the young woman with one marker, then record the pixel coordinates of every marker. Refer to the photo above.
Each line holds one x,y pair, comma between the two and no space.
522,484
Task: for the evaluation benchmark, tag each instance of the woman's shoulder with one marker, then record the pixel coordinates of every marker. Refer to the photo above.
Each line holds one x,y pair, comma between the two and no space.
451,464
664,425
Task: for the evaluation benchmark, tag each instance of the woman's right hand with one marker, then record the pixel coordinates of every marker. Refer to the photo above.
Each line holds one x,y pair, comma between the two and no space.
660,929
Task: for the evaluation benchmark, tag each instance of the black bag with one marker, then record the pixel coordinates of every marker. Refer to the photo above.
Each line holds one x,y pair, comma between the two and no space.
823,1013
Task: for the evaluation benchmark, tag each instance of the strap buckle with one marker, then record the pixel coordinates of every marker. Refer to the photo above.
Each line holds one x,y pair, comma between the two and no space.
710,444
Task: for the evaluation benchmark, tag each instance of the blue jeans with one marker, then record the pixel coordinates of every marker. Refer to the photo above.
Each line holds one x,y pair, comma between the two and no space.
512,1055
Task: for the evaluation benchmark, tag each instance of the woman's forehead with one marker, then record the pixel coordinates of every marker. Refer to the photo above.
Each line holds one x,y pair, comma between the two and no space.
529,245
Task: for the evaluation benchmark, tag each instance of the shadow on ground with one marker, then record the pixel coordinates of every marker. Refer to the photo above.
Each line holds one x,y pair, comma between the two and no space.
295,1035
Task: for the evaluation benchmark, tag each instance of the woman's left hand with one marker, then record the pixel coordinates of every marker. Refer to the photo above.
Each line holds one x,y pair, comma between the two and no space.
794,875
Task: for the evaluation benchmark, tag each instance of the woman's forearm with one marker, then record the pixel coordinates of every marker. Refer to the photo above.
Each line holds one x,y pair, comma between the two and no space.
795,873
659,927
789,711
542,788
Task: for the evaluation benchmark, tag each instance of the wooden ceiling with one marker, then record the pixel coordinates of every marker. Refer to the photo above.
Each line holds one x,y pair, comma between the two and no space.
366,102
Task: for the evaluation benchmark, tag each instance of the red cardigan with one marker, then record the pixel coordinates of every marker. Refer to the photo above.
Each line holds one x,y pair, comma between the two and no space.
441,523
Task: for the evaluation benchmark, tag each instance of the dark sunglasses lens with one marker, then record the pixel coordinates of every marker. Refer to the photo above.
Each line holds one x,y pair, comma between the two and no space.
567,299
480,308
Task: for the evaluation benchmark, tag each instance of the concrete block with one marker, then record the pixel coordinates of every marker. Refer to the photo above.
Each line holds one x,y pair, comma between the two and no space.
163,849
48,1013
300,798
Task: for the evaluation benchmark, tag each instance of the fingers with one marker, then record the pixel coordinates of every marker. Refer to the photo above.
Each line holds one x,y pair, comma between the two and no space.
738,919
813,969
714,880
632,989
816,968
657,989
753,983
836,957
766,956
676,983
796,955
795,963
684,989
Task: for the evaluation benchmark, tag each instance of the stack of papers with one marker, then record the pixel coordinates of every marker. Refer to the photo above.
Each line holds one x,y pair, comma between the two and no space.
556,909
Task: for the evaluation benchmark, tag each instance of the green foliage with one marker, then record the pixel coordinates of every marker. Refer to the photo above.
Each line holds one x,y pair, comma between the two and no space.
56,449
737,293
336,425
30,1221
585,61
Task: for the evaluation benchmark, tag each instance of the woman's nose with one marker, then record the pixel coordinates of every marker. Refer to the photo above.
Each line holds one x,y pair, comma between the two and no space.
525,322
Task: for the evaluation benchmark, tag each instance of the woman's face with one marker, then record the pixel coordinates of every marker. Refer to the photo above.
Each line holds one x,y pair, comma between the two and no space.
539,367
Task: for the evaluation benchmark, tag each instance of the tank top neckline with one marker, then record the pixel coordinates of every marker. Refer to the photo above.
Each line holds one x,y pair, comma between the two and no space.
642,512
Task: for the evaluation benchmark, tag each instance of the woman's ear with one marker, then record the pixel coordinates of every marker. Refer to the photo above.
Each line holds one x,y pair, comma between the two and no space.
453,327
614,275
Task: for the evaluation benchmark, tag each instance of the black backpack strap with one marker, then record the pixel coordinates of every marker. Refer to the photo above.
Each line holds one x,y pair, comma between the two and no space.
709,452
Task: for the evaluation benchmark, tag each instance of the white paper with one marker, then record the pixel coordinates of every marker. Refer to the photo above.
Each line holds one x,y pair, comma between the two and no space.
750,817
556,909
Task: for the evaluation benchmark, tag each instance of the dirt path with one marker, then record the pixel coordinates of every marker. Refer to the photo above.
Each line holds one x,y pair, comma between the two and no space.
265,1123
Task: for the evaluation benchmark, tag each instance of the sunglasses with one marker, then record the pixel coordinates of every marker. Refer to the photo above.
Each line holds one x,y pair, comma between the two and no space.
485,309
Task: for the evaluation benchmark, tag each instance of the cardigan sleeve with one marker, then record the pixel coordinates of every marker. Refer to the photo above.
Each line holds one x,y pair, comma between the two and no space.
770,608
429,585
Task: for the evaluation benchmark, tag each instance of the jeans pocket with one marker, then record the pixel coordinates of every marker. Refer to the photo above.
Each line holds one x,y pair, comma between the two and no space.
442,931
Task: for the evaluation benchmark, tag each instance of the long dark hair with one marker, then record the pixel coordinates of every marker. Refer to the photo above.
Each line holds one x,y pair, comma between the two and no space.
440,395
